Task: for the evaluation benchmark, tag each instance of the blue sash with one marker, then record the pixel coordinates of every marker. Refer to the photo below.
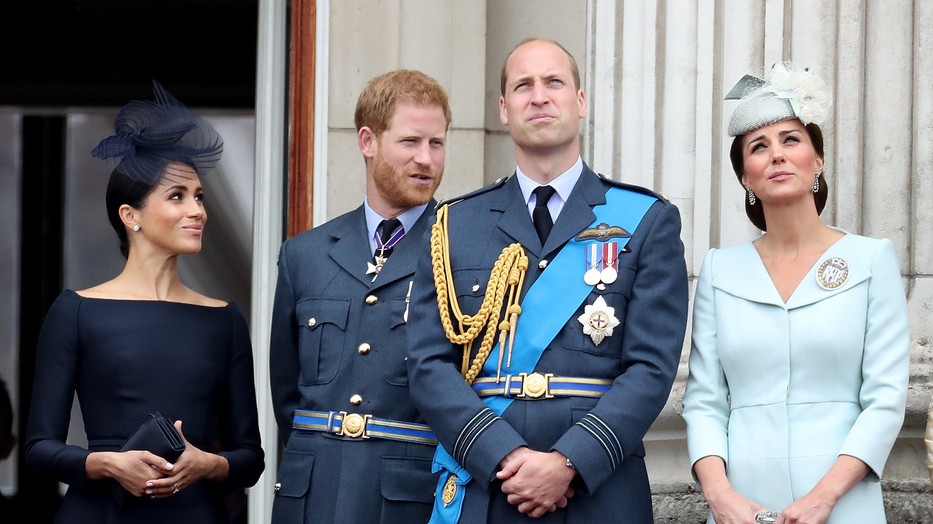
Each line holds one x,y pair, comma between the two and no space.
550,301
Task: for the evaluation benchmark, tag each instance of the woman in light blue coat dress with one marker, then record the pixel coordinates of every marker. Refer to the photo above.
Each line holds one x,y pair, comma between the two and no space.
800,359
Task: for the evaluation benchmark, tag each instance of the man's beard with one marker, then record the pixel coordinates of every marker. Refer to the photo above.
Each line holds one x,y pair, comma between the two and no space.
392,184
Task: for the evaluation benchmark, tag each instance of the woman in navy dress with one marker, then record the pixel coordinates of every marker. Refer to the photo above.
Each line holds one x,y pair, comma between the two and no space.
144,342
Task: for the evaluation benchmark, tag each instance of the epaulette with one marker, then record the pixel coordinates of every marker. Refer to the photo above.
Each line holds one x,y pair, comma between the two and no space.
471,194
632,187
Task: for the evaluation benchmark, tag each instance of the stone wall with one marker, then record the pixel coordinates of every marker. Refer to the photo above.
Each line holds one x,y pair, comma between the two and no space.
905,502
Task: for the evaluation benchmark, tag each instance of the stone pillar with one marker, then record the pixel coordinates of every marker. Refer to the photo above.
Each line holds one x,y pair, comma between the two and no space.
445,40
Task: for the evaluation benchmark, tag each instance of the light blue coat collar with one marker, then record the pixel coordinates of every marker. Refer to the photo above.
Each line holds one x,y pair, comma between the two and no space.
741,272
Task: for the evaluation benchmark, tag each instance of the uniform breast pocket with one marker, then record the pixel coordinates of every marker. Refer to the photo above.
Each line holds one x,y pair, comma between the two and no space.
322,333
471,288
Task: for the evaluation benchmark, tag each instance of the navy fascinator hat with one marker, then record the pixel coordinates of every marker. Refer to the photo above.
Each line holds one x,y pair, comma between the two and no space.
149,134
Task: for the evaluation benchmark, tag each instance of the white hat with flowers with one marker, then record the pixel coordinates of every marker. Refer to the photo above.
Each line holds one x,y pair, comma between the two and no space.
785,92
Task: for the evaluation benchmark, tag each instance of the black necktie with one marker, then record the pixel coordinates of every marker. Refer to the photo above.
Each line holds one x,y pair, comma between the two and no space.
541,216
386,228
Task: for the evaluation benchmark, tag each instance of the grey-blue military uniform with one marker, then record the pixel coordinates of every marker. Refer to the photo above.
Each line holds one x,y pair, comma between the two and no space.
339,345
601,436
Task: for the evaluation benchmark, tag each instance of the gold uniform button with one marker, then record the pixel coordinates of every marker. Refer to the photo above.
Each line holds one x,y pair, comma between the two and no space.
356,400
475,288
372,299
364,348
312,322
542,264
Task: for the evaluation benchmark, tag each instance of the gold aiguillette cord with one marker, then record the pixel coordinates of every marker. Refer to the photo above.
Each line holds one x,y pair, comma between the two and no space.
507,276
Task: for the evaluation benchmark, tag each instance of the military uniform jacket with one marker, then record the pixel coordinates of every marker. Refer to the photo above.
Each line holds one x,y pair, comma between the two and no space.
337,333
601,436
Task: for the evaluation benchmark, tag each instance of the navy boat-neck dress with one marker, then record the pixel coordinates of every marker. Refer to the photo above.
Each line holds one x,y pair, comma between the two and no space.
125,359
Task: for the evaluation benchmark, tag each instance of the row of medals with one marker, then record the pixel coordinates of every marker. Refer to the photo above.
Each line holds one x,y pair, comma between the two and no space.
602,260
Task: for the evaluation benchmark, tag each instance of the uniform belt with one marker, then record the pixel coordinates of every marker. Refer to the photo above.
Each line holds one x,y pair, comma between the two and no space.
362,426
534,386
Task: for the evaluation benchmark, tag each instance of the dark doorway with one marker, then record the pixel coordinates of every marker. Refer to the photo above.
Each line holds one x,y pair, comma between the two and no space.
104,52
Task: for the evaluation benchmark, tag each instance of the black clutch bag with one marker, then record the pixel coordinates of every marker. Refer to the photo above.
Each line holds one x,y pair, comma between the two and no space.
157,435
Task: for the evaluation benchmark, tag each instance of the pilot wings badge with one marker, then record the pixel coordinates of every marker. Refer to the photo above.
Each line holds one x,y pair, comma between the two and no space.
603,232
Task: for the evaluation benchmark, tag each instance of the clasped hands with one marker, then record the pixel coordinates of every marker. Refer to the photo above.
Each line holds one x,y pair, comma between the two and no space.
536,482
730,507
145,474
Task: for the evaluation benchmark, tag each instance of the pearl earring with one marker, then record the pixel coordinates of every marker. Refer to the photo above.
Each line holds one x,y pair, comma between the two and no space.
136,227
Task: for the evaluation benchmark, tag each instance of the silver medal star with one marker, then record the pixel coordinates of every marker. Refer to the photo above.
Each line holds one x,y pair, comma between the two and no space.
598,320
374,269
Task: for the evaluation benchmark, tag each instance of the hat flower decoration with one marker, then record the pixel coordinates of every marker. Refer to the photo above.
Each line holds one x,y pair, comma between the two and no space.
805,91
785,92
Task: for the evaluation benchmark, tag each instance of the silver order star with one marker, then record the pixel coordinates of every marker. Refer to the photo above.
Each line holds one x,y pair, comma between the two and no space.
374,269
598,320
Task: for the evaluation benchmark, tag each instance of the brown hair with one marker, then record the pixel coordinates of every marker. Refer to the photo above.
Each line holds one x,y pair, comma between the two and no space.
376,105
574,70
755,212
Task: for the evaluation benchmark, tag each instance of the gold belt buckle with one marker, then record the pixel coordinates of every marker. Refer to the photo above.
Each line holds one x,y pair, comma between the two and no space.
536,385
354,425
